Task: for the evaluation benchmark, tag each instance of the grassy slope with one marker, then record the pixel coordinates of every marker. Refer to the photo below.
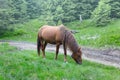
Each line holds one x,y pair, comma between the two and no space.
97,36
26,65
88,35
28,31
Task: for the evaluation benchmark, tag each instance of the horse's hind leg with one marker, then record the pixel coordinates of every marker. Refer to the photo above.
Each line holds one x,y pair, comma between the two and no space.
57,50
43,48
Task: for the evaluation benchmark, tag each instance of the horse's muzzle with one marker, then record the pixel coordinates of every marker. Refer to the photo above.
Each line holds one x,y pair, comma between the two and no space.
79,63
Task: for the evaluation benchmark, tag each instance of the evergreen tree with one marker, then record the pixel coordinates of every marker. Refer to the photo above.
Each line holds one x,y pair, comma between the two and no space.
115,8
101,14
53,11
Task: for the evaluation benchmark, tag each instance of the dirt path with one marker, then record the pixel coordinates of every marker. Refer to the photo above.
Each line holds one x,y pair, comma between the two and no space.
107,56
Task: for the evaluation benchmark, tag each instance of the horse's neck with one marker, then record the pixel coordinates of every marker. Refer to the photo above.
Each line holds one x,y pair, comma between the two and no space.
71,43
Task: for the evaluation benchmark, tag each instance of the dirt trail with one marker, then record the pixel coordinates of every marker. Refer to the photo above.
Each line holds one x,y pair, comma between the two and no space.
107,56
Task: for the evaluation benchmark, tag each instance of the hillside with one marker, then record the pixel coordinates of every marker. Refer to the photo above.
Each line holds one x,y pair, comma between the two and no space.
87,35
26,65
90,35
95,24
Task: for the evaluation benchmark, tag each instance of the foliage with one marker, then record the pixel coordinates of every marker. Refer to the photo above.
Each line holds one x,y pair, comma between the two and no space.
97,36
67,11
16,11
87,35
115,8
56,12
113,39
24,32
26,65
52,11
15,16
101,13
105,12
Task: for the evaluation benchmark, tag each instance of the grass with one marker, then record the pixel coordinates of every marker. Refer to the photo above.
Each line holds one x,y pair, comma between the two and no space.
97,36
25,32
26,65
87,36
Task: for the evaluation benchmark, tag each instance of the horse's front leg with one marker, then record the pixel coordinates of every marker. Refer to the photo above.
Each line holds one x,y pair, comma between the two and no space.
57,50
65,52
43,48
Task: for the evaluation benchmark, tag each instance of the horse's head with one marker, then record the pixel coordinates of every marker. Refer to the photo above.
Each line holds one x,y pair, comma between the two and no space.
77,56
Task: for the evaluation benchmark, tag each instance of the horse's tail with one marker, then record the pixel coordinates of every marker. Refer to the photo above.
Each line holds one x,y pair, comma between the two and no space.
38,45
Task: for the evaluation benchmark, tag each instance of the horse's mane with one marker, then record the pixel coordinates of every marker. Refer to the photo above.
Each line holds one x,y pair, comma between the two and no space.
69,39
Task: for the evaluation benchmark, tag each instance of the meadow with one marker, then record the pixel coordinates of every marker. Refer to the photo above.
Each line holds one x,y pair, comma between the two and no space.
87,35
26,65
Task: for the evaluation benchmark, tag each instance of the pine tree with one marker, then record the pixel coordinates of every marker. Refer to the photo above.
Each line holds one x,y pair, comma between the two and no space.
101,14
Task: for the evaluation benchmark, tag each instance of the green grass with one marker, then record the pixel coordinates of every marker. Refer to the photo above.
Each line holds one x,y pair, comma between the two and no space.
24,32
26,65
97,36
88,35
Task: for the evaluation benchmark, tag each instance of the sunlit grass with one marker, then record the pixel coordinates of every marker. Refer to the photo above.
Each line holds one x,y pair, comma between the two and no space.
26,65
87,35
97,36
28,31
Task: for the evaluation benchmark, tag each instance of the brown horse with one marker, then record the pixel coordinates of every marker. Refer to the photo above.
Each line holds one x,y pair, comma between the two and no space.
58,35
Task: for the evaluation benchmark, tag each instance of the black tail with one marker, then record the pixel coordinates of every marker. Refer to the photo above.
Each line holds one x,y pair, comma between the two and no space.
38,45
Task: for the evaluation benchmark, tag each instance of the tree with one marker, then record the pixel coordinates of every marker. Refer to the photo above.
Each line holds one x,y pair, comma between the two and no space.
17,11
101,14
5,15
53,11
115,8
84,8
67,11
106,11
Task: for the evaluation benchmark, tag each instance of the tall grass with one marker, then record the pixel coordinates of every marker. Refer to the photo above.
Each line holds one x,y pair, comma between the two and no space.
25,32
97,36
88,35
26,65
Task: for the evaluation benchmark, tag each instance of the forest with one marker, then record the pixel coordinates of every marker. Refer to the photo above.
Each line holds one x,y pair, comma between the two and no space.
54,12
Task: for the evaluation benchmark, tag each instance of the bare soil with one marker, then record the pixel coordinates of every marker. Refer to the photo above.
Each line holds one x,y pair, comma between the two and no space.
107,56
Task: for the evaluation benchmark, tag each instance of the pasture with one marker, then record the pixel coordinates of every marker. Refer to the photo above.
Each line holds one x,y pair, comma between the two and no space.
26,65
96,24
87,35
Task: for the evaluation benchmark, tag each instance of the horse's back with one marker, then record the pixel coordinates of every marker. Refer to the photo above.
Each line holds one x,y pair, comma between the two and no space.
49,30
50,34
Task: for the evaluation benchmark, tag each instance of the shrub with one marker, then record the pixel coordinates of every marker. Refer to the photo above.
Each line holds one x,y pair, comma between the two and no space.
110,39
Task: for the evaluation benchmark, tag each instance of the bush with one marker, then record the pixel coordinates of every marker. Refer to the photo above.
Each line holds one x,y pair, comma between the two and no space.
114,39
14,32
110,39
101,13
